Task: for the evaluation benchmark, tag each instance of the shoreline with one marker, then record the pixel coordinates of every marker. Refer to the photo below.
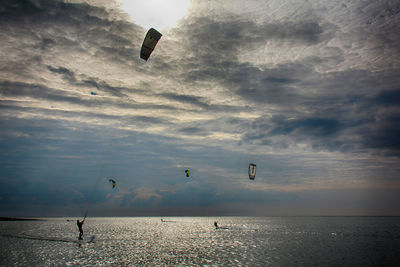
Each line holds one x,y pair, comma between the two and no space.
17,219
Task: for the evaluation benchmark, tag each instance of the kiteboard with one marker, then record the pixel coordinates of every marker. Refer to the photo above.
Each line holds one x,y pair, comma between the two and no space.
223,228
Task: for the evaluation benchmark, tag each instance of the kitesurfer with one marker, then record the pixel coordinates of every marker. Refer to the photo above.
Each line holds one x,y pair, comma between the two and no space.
80,224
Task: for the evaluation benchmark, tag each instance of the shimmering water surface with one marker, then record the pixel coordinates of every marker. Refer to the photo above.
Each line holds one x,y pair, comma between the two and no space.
249,241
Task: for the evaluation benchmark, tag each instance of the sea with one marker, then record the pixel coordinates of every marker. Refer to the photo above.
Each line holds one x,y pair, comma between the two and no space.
194,241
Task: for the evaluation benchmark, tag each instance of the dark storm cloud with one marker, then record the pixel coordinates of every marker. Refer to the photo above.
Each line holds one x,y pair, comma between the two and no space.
272,86
307,126
387,98
354,123
201,102
56,26
193,100
382,129
193,131
224,124
216,44
42,14
38,91
97,84
342,106
66,73
330,110
103,86
384,134
213,46
214,40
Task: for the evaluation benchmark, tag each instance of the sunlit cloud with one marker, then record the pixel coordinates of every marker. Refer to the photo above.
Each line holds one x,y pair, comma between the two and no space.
156,13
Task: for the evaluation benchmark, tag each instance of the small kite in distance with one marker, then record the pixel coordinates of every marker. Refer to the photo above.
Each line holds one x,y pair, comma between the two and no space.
149,43
114,183
252,171
187,173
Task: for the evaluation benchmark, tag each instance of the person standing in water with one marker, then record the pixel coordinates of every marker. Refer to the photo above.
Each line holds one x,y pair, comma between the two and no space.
80,224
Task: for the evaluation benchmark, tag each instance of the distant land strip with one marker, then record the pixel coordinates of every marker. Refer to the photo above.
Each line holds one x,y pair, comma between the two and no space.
18,219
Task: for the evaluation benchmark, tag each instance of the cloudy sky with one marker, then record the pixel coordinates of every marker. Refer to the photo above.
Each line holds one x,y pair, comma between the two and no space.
307,90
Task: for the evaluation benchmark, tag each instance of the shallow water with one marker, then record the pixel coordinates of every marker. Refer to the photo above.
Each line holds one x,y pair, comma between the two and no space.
250,241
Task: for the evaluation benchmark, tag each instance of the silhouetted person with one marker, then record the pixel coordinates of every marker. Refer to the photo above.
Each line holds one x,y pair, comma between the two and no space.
216,225
80,224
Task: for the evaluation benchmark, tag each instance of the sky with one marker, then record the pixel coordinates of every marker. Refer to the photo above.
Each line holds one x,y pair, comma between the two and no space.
309,91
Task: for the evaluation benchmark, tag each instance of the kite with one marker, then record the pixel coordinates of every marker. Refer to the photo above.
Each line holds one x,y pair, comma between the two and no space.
114,183
187,173
149,43
252,171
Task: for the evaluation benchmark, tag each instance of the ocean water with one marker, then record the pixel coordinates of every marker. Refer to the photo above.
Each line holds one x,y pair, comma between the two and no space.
194,241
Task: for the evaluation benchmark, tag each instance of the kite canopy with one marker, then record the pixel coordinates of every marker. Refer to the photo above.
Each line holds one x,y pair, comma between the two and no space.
114,183
187,173
252,171
149,43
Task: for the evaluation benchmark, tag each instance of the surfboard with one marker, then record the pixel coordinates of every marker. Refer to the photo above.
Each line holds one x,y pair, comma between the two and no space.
223,228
